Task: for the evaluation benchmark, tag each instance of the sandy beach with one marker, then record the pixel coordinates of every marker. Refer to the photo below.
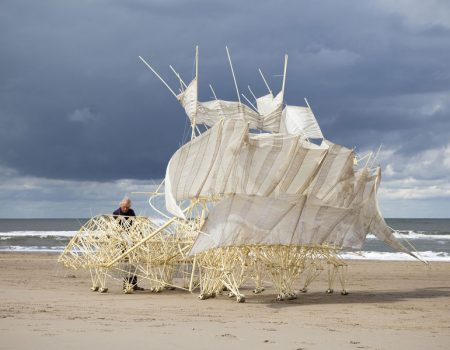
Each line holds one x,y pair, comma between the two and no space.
391,305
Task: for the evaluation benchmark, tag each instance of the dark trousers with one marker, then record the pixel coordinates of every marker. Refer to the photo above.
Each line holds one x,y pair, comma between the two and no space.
132,279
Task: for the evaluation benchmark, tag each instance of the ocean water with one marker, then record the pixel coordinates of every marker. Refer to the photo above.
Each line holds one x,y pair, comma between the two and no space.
429,237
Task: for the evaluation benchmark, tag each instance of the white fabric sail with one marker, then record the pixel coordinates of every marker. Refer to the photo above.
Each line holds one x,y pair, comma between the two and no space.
274,189
227,160
335,167
188,99
300,120
306,220
199,167
270,109
210,112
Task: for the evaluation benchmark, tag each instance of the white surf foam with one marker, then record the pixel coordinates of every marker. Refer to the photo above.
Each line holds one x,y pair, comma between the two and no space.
32,249
41,234
415,235
426,255
364,255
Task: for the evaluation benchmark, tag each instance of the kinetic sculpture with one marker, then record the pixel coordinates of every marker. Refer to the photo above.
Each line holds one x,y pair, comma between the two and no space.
261,194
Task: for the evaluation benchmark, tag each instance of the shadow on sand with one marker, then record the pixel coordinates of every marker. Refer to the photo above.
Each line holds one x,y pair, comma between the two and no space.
354,297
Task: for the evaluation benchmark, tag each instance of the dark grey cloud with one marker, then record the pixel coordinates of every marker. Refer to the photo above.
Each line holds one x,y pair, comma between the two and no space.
76,103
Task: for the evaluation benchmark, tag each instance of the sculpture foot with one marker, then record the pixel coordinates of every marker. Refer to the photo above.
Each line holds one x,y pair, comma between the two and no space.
240,298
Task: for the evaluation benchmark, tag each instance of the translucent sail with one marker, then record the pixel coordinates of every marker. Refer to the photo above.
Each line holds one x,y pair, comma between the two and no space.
300,120
303,220
270,109
228,160
274,189
201,167
210,112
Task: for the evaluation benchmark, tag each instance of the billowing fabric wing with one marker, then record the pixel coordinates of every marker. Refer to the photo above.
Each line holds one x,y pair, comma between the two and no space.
227,160
265,104
335,167
378,226
271,164
269,109
188,99
200,167
305,220
248,220
211,112
300,120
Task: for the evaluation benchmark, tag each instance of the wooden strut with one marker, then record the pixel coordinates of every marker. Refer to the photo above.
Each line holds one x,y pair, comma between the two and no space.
214,94
178,76
234,77
284,74
137,245
102,236
256,100
251,104
265,82
193,123
162,80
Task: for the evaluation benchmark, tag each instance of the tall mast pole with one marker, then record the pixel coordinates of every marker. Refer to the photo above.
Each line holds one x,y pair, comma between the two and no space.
214,94
251,92
182,83
234,77
284,73
193,123
163,81
265,82
251,104
308,104
196,66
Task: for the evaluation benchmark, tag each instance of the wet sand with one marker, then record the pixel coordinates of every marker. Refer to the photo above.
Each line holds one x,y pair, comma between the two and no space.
391,305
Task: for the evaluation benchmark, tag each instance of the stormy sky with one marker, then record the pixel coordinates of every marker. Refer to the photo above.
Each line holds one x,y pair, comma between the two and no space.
84,122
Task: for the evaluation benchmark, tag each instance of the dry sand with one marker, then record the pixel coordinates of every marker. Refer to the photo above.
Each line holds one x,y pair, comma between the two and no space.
391,305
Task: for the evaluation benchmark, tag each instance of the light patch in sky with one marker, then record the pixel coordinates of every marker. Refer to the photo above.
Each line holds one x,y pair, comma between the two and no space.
33,197
83,115
326,58
419,12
